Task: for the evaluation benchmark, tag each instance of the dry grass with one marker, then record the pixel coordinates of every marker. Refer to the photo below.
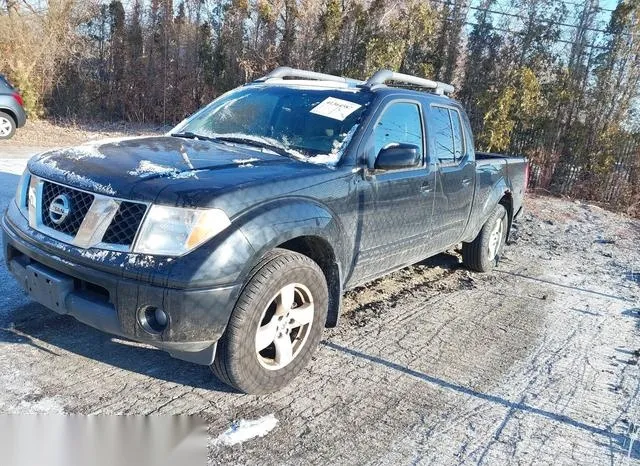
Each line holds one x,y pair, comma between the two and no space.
50,133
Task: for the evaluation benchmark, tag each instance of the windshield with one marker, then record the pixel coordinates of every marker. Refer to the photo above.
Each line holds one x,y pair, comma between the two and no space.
314,124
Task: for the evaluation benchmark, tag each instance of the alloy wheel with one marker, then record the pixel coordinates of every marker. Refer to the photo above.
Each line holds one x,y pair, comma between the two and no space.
5,127
495,238
284,326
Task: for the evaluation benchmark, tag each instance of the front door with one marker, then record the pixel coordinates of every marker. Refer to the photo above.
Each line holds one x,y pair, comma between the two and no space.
396,205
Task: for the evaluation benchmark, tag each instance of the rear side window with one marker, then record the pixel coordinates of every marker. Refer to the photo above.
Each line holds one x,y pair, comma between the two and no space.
447,134
5,83
400,123
458,138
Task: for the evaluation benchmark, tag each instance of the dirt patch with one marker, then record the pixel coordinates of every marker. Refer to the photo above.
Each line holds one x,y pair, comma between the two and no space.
50,133
441,274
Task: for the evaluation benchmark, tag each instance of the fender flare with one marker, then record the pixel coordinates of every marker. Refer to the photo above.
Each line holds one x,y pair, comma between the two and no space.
499,190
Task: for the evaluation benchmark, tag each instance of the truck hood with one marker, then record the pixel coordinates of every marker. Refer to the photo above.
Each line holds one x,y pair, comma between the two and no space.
141,168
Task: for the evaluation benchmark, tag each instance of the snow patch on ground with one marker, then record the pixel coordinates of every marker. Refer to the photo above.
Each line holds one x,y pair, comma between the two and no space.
147,167
15,383
13,166
242,430
43,406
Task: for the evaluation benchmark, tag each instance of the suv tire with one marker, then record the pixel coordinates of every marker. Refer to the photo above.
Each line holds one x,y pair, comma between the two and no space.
7,126
275,325
484,252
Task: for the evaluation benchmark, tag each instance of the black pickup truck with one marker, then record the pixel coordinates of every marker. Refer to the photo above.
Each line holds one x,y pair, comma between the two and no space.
230,241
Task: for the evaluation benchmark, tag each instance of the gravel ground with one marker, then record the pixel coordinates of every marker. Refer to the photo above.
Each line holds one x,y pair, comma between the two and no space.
536,362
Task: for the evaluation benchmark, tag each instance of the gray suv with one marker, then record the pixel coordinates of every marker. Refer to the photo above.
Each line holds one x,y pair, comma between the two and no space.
12,113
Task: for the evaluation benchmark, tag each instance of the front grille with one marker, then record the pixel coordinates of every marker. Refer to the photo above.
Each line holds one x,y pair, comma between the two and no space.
125,224
79,204
72,206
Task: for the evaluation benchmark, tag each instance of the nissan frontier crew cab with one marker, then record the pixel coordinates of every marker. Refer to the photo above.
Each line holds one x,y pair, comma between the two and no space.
230,241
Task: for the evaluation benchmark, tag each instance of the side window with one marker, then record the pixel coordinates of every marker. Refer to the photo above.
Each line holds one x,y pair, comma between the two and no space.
400,123
442,135
458,138
447,134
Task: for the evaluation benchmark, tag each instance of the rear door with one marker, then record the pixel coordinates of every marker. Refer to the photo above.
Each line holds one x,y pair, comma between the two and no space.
452,149
395,205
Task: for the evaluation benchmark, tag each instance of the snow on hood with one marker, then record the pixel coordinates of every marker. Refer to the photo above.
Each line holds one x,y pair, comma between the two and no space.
141,168
50,170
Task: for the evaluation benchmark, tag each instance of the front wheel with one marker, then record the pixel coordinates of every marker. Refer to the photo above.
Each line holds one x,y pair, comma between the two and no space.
484,252
275,325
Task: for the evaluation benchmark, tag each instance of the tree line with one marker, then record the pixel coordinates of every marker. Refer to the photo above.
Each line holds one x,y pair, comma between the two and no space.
558,81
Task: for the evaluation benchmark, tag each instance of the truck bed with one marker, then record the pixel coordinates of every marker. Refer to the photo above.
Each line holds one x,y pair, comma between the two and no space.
514,169
492,156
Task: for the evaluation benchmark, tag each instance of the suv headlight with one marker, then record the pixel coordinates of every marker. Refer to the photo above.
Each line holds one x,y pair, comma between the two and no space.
173,231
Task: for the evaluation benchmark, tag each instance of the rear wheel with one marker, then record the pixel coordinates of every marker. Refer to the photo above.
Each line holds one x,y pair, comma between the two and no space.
275,325
484,252
7,126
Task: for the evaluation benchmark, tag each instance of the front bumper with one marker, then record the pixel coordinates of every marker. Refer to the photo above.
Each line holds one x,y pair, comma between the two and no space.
109,301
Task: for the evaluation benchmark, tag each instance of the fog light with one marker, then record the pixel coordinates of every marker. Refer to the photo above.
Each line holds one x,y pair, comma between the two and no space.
152,319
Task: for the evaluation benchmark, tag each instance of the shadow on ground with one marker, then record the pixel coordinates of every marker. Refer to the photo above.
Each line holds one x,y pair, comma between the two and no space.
561,285
633,312
623,443
33,323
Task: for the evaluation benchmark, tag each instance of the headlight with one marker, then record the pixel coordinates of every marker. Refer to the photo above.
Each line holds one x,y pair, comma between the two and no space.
22,189
173,231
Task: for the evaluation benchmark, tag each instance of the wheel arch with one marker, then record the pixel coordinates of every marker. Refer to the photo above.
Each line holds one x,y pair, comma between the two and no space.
320,251
306,227
11,113
483,206
507,202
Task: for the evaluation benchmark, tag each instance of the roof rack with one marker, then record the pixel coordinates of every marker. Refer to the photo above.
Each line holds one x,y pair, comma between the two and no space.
287,72
381,77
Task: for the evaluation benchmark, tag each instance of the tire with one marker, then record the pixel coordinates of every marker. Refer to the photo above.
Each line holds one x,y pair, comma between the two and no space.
483,254
259,315
7,126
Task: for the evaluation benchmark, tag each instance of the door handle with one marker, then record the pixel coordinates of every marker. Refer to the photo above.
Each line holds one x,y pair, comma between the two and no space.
426,187
466,181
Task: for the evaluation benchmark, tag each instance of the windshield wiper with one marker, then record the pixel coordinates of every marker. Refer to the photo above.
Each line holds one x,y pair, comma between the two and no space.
191,135
257,143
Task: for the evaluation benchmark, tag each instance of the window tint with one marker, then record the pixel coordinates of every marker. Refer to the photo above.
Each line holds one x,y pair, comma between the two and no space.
400,123
447,134
442,134
458,139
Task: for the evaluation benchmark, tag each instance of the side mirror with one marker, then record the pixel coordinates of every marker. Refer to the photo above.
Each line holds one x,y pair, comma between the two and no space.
398,156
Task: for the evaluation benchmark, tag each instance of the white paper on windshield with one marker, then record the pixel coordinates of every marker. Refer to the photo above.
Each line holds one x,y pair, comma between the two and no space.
337,109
